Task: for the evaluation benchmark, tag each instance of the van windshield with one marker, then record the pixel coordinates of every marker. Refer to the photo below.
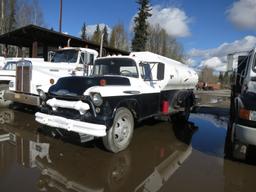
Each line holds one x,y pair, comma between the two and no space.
67,56
115,66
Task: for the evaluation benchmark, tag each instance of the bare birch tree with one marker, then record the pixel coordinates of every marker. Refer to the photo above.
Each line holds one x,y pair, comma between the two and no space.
118,37
163,44
29,13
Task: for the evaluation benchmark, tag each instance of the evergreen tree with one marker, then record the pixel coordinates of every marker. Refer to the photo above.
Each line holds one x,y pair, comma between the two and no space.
105,37
141,26
83,32
96,35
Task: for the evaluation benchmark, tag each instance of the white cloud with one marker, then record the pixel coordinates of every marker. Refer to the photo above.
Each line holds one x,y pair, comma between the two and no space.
190,62
224,49
217,58
243,13
215,63
172,19
91,28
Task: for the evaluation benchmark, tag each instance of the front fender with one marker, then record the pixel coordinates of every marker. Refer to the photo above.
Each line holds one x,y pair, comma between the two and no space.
131,104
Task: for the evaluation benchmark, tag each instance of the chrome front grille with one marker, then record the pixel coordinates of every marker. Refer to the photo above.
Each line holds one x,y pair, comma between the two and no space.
23,76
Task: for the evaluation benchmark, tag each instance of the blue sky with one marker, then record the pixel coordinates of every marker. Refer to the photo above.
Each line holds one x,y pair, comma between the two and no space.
202,26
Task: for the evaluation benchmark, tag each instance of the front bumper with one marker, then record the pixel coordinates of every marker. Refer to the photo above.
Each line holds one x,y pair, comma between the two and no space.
22,98
245,134
97,130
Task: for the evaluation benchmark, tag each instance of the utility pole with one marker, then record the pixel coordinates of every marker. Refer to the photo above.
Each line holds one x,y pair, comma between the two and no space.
101,44
60,19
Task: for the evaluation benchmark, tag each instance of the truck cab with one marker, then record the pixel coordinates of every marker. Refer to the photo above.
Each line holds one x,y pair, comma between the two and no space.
242,123
8,74
121,91
32,75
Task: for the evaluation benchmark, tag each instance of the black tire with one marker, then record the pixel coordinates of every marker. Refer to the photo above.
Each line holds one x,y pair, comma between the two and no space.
229,145
184,115
120,134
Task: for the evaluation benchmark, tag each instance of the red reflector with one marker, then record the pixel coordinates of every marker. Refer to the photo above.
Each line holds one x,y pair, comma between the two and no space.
103,82
244,114
165,107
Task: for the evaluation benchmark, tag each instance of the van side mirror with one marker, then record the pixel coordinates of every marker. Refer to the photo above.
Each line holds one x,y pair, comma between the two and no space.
160,71
253,78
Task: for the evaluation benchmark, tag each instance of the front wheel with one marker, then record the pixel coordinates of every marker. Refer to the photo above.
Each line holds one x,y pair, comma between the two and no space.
120,134
3,102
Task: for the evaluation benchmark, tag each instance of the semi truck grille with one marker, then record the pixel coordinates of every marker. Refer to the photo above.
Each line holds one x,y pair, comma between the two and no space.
23,76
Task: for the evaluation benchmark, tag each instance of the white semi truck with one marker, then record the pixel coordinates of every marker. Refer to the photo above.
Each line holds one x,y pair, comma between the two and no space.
34,75
242,123
121,91
8,74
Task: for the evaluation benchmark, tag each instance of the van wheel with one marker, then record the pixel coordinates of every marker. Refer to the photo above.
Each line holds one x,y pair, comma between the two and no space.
120,134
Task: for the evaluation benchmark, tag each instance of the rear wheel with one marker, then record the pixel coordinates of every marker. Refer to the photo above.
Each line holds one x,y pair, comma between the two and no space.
183,115
120,134
229,145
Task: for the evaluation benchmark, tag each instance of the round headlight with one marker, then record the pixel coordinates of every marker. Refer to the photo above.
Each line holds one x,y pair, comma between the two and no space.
11,84
97,99
41,94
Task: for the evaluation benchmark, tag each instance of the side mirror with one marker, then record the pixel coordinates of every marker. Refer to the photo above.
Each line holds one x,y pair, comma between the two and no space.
88,59
160,71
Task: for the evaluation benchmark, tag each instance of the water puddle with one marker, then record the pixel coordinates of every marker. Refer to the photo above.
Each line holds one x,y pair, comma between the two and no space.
163,156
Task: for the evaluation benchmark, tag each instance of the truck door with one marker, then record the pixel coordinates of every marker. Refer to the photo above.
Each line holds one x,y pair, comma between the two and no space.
241,73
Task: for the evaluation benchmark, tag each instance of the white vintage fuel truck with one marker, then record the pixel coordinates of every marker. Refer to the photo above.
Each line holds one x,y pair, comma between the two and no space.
121,91
32,75
241,132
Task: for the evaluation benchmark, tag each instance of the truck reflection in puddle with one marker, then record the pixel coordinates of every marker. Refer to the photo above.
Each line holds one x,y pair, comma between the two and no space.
157,152
144,167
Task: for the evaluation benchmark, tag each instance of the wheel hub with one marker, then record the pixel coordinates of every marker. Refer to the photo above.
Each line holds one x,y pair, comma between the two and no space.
122,130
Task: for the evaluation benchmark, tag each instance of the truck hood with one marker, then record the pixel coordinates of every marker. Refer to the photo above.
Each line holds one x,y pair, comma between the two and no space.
77,85
51,65
7,73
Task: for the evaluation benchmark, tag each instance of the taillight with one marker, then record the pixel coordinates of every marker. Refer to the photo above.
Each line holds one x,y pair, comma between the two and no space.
244,114
247,114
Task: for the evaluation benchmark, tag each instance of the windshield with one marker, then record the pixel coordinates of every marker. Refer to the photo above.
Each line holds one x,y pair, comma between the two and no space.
116,66
10,65
67,56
